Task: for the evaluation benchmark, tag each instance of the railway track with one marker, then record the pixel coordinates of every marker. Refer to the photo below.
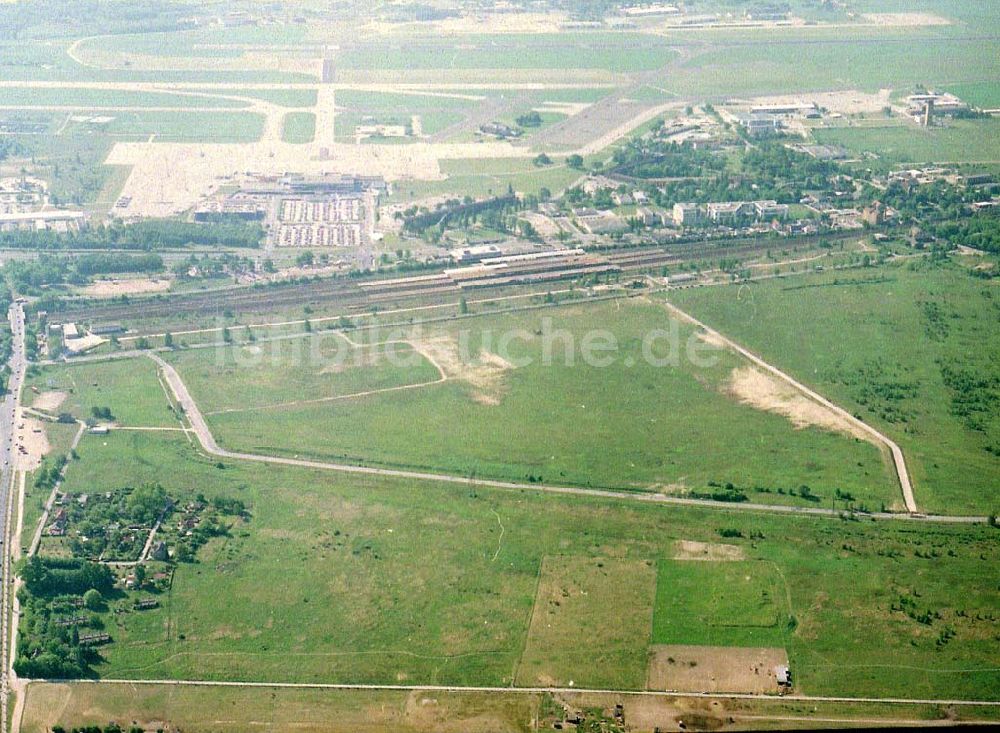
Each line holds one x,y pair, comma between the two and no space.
356,295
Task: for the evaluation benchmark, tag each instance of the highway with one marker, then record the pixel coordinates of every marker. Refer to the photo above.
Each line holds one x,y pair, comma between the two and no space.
8,500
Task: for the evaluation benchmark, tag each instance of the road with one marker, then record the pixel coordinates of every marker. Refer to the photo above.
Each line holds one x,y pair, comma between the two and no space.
8,505
209,444
551,690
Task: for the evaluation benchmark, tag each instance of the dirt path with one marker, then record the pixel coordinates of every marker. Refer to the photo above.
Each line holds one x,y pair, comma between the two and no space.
895,451
36,538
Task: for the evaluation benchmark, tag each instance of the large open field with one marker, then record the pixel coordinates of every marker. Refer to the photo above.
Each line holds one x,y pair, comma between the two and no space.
367,579
511,388
959,141
907,347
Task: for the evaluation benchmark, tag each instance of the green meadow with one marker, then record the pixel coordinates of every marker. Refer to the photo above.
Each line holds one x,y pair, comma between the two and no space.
905,347
298,127
342,578
636,424
958,141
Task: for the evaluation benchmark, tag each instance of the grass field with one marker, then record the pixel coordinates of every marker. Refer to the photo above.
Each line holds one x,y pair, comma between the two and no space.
101,98
348,711
570,641
985,94
282,97
720,604
888,368
298,127
129,388
182,127
618,52
960,141
640,426
241,377
775,67
365,579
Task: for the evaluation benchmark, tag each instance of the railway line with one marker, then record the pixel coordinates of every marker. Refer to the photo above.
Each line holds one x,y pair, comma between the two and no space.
492,276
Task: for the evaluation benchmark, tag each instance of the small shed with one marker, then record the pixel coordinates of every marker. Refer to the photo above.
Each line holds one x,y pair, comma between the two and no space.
783,676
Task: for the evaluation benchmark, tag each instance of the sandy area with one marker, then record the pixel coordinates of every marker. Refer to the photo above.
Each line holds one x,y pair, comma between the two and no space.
758,389
485,373
905,19
48,401
714,668
487,23
84,343
112,288
168,178
34,440
851,101
707,551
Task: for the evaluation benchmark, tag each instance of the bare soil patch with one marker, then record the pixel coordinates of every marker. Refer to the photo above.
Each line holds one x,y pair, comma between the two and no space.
32,437
113,288
714,668
485,373
707,551
49,401
905,19
765,392
847,102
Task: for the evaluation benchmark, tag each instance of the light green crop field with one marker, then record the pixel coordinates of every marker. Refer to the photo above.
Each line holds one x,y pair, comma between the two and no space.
130,388
959,141
298,127
635,424
341,578
906,347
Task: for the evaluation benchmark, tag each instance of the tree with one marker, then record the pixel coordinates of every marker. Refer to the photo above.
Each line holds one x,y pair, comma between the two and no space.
226,336
168,340
463,306
542,160
93,600
140,575
307,326
575,161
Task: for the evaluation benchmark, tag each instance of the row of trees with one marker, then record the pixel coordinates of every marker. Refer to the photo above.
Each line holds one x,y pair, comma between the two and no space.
149,235
28,276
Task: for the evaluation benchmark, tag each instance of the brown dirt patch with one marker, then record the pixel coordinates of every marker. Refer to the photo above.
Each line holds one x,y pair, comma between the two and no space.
35,442
707,551
48,401
714,668
112,288
758,389
485,373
